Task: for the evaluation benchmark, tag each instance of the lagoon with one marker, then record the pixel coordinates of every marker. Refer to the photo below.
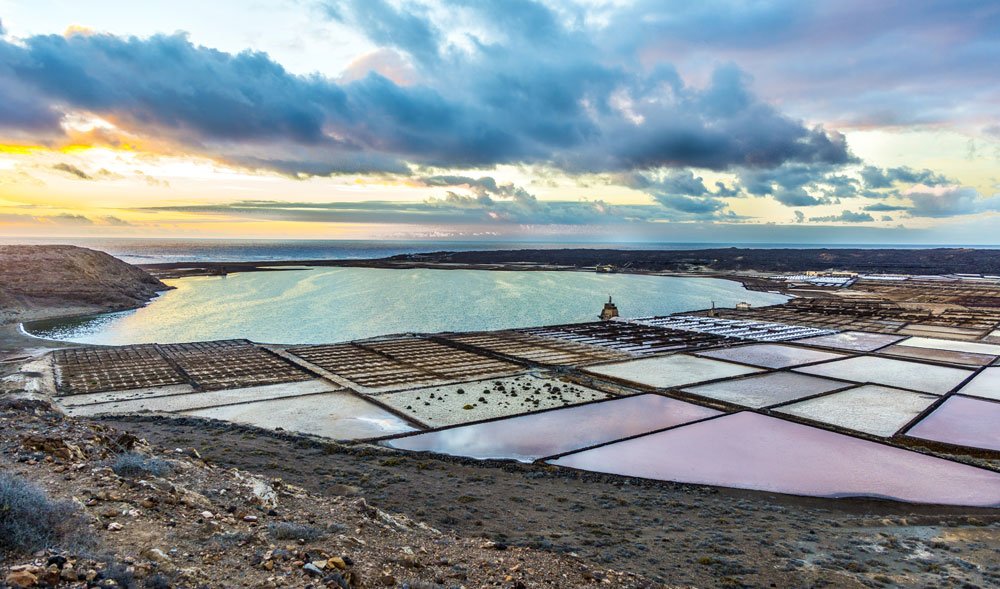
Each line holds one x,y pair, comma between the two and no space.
320,305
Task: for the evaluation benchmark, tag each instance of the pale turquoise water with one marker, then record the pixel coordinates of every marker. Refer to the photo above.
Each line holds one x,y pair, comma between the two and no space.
337,304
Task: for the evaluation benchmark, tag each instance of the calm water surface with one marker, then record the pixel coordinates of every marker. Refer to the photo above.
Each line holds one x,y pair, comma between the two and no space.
320,305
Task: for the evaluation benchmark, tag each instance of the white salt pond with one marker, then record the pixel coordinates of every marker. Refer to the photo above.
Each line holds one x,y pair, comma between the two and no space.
529,437
767,389
771,355
485,399
952,345
894,373
855,341
671,371
337,415
986,384
938,355
751,451
127,395
172,403
872,409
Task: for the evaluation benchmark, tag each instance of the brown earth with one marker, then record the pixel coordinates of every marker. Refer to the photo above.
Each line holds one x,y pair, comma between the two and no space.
683,535
189,522
43,281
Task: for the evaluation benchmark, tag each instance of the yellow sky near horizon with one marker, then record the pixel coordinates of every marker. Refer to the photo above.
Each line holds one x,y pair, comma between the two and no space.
105,189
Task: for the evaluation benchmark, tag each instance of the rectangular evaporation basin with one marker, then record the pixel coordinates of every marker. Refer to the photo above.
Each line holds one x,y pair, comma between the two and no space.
986,384
936,355
341,416
894,373
771,355
872,409
962,421
766,389
486,399
857,341
118,396
529,437
955,346
671,371
751,451
187,402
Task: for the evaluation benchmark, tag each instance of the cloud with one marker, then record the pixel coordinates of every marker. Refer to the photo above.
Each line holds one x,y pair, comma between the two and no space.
885,178
791,178
950,201
451,208
881,206
798,197
857,62
67,219
72,170
58,219
844,217
681,191
114,221
536,89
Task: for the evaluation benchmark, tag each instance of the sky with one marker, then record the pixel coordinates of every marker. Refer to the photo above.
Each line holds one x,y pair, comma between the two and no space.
856,121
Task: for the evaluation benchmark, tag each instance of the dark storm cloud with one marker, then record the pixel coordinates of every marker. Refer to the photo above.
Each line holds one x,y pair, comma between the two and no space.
543,91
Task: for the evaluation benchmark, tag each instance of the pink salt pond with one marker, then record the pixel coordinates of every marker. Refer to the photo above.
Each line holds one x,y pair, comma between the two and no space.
751,451
962,421
532,436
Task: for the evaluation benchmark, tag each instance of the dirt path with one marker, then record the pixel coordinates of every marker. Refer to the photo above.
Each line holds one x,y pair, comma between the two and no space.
677,534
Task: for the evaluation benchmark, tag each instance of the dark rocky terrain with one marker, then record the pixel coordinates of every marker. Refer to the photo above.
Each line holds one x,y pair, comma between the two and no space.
904,261
705,261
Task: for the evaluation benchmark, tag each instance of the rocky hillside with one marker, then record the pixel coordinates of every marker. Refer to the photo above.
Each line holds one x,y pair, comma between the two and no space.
39,281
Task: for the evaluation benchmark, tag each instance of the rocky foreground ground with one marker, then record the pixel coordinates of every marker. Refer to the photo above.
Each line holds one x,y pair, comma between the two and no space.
207,504
135,515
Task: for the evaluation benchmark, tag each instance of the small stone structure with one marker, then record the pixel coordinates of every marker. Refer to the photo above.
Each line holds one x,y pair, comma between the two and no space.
609,311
